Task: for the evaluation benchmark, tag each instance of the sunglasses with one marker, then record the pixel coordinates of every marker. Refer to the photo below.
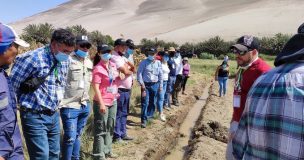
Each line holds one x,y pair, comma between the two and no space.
85,45
236,51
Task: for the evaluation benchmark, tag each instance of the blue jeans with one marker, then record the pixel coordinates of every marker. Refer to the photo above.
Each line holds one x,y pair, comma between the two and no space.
122,113
161,97
170,86
222,82
73,121
42,135
148,103
172,80
10,139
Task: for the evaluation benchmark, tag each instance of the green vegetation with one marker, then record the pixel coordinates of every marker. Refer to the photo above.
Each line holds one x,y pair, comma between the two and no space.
213,48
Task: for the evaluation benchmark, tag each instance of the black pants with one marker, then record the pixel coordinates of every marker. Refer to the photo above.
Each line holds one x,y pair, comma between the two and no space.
184,83
177,88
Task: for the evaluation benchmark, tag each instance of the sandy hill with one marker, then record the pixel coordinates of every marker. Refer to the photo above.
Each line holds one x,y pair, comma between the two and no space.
176,20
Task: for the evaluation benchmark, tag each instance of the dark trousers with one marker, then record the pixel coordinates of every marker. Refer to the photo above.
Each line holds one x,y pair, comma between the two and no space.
177,88
123,103
184,83
103,130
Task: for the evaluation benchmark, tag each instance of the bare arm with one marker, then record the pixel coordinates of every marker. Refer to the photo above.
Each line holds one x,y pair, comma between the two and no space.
125,70
102,107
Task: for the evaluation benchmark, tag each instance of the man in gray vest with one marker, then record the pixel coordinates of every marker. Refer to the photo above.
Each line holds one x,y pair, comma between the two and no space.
75,105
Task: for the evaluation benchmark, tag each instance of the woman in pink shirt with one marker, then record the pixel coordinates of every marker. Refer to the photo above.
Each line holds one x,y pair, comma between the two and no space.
186,72
104,105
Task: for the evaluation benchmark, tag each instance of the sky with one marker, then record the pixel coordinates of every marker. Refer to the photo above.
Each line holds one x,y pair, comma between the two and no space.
13,10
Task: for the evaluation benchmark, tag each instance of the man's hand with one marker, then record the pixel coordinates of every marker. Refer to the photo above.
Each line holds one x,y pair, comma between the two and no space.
143,91
143,94
1,158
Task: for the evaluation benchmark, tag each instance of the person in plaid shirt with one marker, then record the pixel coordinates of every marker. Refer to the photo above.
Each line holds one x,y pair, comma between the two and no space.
272,124
39,108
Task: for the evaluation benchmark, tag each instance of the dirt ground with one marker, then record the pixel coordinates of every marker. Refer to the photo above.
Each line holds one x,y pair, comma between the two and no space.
155,141
210,133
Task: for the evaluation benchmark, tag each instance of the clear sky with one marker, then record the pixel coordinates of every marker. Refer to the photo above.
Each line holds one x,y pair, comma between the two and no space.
13,10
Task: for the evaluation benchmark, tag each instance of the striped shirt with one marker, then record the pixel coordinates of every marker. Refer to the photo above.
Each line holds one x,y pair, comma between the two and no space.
272,125
38,63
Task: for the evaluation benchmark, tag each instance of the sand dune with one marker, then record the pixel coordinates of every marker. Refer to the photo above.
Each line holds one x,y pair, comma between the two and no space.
176,20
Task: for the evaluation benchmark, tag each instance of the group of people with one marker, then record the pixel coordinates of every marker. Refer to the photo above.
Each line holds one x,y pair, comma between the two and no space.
268,112
54,82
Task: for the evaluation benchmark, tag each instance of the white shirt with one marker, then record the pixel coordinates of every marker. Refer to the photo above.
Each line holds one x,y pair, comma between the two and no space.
166,71
179,64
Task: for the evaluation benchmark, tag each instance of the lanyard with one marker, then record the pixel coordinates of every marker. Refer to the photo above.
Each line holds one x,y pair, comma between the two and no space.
110,75
239,79
57,75
110,72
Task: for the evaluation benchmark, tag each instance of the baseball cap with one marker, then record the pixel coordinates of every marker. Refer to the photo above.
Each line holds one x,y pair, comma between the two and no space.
104,47
163,53
120,41
130,43
185,59
246,43
8,36
151,50
83,39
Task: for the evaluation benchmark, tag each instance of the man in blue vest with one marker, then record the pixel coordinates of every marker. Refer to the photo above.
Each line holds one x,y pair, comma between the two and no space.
10,139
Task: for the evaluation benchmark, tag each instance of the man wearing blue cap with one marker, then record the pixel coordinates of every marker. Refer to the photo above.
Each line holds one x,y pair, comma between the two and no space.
10,139
39,79
76,105
150,78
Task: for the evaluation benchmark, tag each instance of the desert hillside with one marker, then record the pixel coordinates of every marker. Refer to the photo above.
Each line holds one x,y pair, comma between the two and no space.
176,20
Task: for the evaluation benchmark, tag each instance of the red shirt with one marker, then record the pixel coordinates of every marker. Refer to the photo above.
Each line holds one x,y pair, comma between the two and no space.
248,77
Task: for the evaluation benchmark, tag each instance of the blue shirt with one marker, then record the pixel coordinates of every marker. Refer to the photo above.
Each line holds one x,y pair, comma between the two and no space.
150,71
7,95
38,63
172,66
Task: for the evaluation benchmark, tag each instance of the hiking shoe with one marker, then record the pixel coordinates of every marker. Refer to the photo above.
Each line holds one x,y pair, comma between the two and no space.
176,104
167,108
118,141
111,155
143,125
162,117
127,138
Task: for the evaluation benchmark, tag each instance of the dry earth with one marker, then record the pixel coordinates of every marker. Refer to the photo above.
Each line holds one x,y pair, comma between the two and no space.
210,133
153,142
